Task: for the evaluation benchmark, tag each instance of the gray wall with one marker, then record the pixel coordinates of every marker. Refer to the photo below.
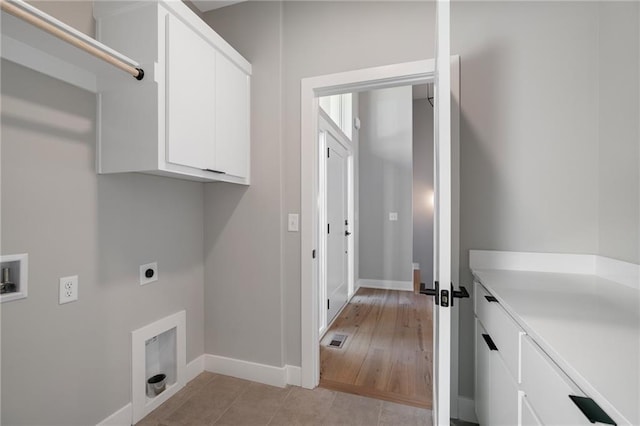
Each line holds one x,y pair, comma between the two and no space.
618,121
70,364
385,184
298,33
244,226
423,188
533,139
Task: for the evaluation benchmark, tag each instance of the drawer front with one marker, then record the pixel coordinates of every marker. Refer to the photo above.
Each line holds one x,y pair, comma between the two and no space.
547,388
507,336
504,331
480,303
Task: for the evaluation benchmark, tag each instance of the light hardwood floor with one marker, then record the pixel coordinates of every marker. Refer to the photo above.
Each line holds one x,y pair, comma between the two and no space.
388,350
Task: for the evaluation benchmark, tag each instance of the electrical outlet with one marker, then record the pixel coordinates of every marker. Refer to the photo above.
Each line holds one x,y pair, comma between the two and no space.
148,273
68,289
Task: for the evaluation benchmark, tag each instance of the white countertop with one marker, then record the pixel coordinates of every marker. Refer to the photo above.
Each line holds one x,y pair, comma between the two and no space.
588,325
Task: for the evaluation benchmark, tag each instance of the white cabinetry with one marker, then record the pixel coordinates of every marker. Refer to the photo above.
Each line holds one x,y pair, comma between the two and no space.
516,382
189,116
496,389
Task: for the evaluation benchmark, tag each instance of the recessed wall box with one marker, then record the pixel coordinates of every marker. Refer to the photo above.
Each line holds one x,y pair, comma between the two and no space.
13,277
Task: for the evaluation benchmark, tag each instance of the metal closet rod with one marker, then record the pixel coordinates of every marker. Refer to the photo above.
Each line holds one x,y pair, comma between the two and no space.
137,73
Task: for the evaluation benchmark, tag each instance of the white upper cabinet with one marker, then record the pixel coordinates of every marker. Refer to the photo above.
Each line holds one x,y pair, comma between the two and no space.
189,117
232,118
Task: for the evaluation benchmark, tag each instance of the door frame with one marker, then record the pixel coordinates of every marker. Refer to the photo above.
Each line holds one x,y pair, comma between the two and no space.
402,74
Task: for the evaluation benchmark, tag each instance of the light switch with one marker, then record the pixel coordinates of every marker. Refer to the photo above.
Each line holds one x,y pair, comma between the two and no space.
393,216
293,222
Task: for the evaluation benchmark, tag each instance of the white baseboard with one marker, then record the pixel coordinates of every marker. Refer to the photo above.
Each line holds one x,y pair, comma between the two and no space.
467,410
386,284
261,373
122,417
194,368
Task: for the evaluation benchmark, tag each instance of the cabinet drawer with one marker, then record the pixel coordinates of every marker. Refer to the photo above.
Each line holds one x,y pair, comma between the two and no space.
480,303
547,388
504,331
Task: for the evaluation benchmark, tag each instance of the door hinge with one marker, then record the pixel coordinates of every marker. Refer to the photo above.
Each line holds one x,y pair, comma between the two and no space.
327,152
346,222
328,228
313,254
328,304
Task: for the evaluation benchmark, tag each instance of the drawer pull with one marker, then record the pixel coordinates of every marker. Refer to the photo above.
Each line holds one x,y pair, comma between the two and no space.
489,342
591,410
491,299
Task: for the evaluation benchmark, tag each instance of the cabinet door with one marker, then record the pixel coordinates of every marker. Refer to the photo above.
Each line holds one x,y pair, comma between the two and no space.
503,405
190,97
232,118
483,373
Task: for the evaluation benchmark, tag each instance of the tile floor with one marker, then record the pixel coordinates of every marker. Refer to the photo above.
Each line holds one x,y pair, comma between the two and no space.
213,399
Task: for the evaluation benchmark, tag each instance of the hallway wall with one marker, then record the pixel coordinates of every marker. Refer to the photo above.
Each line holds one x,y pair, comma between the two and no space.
385,183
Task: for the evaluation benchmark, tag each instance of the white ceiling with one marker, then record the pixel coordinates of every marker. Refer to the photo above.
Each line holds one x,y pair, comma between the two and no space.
207,5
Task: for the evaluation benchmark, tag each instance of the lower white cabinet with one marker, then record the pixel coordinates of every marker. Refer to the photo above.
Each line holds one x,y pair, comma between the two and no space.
496,389
516,382
548,388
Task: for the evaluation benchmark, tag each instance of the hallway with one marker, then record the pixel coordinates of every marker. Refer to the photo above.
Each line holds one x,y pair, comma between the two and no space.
388,350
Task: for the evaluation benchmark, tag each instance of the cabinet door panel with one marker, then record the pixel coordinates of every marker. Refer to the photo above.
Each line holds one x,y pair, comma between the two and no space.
232,118
190,97
503,406
548,388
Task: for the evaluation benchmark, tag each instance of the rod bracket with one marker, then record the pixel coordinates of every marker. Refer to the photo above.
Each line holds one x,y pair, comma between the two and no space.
140,75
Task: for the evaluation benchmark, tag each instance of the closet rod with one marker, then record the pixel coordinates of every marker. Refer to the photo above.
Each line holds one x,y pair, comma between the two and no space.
7,6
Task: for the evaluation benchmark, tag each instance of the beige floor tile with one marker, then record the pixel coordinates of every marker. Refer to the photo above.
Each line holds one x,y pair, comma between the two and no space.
209,403
165,410
255,406
304,407
398,414
348,409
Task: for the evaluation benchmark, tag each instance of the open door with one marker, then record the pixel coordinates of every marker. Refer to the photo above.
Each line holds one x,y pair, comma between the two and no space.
442,216
444,274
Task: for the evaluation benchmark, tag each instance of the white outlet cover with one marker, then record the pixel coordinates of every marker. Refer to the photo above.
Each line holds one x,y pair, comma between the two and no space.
143,270
68,289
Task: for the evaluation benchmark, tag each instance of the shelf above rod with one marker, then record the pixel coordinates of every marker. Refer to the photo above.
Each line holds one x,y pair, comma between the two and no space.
42,21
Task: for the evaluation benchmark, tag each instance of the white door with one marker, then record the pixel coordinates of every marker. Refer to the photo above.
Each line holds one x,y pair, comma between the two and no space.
442,228
337,225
